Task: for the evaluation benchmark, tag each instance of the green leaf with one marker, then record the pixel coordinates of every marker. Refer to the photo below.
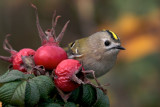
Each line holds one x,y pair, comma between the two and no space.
13,76
13,93
75,95
24,89
102,99
32,94
49,105
52,105
70,104
88,96
38,88
45,85
29,76
100,93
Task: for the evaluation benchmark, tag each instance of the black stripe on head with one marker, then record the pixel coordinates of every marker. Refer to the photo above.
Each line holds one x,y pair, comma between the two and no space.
113,35
72,44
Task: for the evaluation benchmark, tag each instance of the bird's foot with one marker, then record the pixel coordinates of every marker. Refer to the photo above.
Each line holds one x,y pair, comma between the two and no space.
98,83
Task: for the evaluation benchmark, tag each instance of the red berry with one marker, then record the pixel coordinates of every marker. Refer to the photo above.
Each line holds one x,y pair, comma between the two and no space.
17,60
63,73
49,56
65,84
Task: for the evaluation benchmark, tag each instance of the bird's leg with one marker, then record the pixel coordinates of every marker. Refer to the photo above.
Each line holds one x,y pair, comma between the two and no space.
93,74
98,83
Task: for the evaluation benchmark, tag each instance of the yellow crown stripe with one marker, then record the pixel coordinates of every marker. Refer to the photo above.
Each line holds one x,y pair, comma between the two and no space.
114,35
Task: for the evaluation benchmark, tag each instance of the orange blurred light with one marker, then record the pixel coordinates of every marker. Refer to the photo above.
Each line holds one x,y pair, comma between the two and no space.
128,24
0,104
139,47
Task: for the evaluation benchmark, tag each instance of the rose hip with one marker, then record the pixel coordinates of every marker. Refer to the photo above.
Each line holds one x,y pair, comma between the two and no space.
49,54
16,57
64,73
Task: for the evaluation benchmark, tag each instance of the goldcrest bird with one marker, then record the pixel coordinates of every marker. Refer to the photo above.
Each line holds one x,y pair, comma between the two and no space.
97,52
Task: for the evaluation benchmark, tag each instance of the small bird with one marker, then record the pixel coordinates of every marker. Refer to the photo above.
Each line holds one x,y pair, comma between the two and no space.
97,52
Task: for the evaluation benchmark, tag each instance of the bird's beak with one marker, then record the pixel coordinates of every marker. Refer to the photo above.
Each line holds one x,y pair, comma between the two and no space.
120,47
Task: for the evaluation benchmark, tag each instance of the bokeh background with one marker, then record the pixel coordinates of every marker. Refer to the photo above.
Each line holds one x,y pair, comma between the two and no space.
135,77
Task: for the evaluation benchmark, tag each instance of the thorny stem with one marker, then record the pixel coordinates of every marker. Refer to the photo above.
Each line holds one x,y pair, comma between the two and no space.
51,34
7,43
54,23
7,46
60,36
4,58
41,33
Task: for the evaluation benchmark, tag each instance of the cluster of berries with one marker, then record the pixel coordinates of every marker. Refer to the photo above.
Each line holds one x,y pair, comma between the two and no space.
49,59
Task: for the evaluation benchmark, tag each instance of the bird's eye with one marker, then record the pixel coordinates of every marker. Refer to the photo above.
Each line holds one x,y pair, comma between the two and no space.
107,43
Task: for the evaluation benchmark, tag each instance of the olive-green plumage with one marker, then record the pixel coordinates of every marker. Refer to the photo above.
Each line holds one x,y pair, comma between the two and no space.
97,52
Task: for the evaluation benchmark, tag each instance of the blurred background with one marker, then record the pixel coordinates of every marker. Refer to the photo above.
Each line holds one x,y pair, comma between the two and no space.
135,77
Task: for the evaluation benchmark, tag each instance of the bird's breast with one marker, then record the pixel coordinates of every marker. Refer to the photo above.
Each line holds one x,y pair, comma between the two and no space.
99,66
